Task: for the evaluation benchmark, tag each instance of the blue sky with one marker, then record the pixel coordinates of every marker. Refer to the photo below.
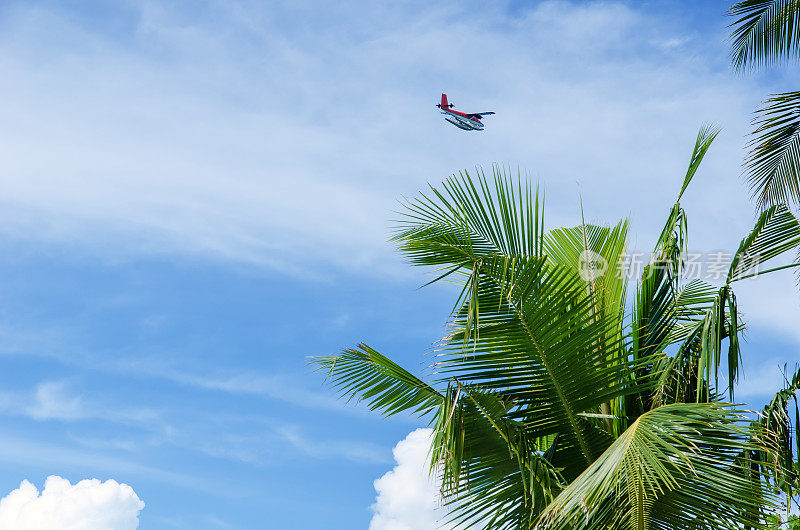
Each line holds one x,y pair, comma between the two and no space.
195,197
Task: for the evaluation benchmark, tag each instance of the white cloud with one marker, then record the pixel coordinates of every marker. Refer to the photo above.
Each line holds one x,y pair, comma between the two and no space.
36,454
53,401
350,450
274,386
87,505
56,400
247,136
408,498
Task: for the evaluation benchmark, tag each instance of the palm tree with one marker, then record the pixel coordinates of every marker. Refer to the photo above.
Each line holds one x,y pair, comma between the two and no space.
767,32
556,401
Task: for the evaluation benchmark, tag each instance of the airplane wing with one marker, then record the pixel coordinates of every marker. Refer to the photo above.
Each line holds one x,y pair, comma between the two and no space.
483,113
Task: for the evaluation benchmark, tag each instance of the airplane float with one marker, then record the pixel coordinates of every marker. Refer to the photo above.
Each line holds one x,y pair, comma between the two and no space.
468,122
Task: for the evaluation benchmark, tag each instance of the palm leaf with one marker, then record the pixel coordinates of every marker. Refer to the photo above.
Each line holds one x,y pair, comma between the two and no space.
777,425
540,344
677,463
765,32
705,137
672,243
364,374
469,217
575,247
493,475
773,162
539,376
775,232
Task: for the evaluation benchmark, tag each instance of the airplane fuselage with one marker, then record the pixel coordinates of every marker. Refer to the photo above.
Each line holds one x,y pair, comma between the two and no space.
462,120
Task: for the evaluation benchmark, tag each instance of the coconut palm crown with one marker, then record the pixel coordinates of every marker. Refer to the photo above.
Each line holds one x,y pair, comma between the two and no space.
561,396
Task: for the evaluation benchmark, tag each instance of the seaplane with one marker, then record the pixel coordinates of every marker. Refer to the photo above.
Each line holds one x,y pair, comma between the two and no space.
468,122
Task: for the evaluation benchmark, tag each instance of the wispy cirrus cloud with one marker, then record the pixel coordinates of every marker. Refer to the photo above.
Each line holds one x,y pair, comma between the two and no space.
280,387
67,346
328,448
53,401
254,439
271,137
39,455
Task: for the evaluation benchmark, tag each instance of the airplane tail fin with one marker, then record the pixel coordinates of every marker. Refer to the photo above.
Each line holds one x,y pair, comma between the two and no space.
444,101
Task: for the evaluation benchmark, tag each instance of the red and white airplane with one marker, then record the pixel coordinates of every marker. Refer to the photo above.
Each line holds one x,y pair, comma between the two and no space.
468,122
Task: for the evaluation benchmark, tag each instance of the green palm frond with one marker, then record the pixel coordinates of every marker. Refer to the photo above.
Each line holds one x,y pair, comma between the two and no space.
657,302
705,315
654,310
691,304
675,464
470,217
721,322
576,247
364,374
597,254
698,320
780,428
705,137
493,475
540,344
696,316
701,316
773,162
672,243
765,32
491,471
776,231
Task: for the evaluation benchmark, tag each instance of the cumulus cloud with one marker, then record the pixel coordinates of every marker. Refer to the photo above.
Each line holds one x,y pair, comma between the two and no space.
408,499
87,505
